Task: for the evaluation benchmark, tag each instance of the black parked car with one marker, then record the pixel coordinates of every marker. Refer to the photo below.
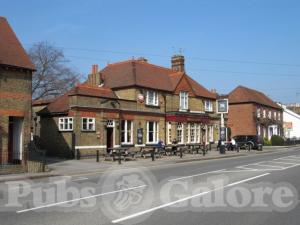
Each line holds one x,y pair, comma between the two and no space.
249,142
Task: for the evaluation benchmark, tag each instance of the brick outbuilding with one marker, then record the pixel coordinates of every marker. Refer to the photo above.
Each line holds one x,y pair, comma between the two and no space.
252,113
15,97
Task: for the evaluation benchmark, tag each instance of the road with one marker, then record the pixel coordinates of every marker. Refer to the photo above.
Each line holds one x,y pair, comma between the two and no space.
252,190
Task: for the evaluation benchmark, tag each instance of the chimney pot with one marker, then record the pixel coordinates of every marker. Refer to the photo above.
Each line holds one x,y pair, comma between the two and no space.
178,63
94,69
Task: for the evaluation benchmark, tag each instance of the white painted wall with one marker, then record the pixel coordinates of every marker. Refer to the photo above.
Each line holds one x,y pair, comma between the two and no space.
290,116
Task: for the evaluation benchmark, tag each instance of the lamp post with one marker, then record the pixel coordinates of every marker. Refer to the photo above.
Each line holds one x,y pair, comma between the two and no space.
222,108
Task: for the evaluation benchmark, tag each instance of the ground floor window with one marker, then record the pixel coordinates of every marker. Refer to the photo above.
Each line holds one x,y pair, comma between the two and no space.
126,132
198,133
211,133
258,130
152,132
65,123
192,133
180,133
187,133
88,124
169,135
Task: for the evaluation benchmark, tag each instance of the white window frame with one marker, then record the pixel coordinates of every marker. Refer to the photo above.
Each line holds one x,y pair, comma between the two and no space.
208,106
89,121
169,134
125,132
198,133
193,133
264,113
65,121
270,114
180,128
258,130
188,133
154,99
279,116
258,112
275,115
183,100
155,132
210,133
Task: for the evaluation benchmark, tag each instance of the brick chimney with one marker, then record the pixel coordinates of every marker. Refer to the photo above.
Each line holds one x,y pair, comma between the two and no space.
178,63
94,77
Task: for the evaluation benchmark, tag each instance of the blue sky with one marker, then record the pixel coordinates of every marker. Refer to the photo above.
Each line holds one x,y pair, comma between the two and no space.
254,43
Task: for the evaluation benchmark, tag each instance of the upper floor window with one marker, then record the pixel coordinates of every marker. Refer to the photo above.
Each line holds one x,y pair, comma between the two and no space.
208,106
126,132
279,116
275,115
152,98
270,114
258,112
184,100
152,132
264,113
88,124
65,123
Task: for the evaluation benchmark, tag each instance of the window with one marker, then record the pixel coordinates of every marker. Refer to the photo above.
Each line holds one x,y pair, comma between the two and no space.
180,133
258,129
208,106
183,98
264,113
65,123
110,123
279,116
258,113
198,137
169,133
275,115
187,133
211,133
126,132
152,98
88,124
192,133
270,114
152,132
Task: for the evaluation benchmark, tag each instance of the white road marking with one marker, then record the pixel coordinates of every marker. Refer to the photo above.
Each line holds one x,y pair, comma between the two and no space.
195,175
286,163
78,199
183,199
80,178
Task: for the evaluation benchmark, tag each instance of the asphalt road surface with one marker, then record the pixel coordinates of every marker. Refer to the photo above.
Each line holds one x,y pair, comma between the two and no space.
253,190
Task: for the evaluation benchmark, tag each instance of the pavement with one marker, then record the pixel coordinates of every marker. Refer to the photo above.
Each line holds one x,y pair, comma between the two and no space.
256,189
59,167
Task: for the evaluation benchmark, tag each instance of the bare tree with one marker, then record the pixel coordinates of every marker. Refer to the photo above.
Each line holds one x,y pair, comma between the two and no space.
53,76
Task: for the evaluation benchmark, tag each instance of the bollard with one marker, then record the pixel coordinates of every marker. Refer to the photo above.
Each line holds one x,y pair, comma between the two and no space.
119,159
97,156
152,154
77,154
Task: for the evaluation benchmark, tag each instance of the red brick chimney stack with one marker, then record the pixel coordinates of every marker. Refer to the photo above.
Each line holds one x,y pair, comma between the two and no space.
94,69
178,63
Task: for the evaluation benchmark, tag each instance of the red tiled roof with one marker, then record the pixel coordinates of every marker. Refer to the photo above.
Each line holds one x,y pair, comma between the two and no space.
42,101
244,95
61,104
92,91
143,74
11,51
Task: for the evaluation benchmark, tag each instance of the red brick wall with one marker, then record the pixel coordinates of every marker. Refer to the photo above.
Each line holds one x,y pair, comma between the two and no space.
241,119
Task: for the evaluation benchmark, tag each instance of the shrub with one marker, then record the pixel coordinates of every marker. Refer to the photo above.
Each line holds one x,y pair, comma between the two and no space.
267,142
277,140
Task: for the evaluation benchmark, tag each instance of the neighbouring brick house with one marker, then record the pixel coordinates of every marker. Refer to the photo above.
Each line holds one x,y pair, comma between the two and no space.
132,103
252,113
15,97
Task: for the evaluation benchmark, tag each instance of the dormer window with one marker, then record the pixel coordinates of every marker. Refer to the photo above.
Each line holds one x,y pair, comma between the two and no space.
208,106
152,98
184,100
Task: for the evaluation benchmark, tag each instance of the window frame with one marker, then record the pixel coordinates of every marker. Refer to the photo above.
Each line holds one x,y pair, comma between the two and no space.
154,99
125,132
184,100
62,121
180,127
155,132
93,122
210,106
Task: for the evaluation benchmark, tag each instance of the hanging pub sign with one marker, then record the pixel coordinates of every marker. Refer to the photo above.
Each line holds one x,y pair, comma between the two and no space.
222,106
140,98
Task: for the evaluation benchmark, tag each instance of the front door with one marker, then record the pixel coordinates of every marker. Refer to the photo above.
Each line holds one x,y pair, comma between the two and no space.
109,138
15,150
10,139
